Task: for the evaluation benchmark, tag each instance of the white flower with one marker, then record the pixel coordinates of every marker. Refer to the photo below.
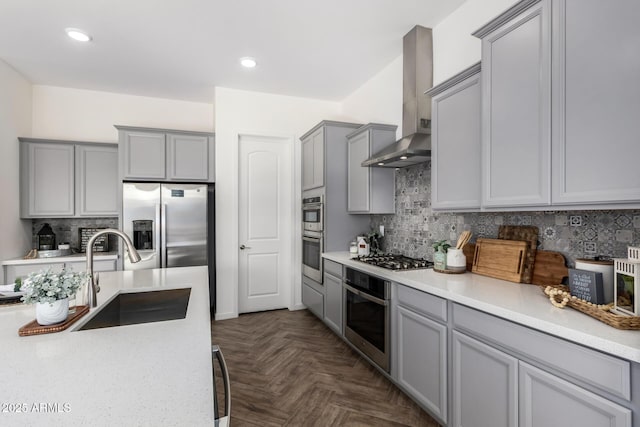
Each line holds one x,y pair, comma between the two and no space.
46,286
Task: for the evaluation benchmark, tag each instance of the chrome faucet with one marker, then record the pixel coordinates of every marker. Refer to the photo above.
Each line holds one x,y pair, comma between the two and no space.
131,250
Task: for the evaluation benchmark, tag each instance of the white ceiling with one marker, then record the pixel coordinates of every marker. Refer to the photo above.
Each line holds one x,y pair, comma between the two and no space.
182,49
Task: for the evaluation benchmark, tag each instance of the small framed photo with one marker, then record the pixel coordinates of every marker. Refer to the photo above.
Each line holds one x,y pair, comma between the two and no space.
627,280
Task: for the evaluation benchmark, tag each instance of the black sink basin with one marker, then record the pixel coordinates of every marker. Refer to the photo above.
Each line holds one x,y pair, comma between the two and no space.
141,307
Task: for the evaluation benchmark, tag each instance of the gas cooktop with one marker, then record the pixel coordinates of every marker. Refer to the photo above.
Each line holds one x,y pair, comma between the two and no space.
395,262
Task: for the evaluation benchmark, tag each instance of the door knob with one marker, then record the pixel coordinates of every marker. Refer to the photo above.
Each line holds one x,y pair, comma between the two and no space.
243,247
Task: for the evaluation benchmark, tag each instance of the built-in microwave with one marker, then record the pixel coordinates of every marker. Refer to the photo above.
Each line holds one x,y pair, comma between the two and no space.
312,214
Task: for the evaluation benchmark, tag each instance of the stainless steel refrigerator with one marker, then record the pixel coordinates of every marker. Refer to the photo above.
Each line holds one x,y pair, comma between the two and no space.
171,225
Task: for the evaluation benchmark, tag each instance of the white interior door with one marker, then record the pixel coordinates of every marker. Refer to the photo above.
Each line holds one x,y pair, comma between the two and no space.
265,215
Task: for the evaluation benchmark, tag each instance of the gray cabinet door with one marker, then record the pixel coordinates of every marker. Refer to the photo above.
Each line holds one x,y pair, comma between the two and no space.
144,155
516,94
548,401
485,385
596,102
188,157
47,180
358,178
96,180
333,302
12,272
313,160
455,162
421,354
313,299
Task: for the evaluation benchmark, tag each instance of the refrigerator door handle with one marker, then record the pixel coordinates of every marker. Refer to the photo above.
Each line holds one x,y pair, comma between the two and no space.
163,237
157,237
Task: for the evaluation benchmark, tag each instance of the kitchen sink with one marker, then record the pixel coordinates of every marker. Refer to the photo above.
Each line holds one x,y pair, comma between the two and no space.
141,307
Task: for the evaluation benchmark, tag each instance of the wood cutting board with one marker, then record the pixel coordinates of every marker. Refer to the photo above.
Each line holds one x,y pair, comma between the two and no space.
549,269
499,258
529,234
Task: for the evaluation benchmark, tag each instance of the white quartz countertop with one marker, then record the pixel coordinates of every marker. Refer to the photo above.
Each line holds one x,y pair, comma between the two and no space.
80,257
152,374
520,303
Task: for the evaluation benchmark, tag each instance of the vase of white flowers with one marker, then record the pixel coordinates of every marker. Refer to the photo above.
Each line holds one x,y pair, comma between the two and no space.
50,293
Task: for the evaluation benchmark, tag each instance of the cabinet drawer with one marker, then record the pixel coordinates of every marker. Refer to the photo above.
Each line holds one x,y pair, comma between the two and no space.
421,302
22,271
606,372
333,268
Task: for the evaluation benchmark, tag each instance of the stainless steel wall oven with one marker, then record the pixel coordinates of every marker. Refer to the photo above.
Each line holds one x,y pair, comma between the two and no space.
312,247
366,314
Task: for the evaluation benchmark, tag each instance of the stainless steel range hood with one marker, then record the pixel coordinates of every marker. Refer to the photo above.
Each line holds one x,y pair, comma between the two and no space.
417,77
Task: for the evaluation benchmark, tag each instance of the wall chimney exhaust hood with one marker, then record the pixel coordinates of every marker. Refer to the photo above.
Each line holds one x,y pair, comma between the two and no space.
417,77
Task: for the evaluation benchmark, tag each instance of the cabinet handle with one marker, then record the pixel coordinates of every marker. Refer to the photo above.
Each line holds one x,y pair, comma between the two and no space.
217,353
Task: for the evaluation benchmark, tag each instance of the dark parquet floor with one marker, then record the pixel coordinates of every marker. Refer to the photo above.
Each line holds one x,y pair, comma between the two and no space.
288,369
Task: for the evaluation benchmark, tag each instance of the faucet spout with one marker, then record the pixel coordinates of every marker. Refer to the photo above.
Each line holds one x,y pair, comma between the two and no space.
134,257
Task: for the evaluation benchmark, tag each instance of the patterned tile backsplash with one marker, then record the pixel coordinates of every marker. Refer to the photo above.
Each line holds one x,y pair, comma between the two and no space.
66,229
577,234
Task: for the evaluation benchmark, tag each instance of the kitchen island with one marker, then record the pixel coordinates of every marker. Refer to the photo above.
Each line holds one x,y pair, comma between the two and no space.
155,374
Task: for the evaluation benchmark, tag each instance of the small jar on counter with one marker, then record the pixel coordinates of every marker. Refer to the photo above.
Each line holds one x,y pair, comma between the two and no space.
353,249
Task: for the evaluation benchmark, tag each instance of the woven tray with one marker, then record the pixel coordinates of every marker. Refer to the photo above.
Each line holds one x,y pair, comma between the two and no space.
603,315
34,328
449,271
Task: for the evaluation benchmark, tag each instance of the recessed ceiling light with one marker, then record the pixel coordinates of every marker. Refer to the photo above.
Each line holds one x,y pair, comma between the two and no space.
381,164
248,62
403,157
78,35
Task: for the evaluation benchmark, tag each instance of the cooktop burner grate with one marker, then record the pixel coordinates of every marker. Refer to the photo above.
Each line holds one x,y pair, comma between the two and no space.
395,262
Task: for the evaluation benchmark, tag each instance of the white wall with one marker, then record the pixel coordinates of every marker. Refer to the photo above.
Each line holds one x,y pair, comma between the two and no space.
454,48
264,114
15,121
86,115
378,100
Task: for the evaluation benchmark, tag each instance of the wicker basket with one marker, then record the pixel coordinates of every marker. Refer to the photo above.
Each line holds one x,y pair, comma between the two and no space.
603,315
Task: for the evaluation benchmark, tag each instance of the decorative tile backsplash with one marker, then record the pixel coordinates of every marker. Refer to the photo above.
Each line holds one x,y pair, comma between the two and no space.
66,229
577,234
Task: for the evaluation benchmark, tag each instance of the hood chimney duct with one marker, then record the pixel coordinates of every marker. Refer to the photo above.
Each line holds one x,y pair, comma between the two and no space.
417,77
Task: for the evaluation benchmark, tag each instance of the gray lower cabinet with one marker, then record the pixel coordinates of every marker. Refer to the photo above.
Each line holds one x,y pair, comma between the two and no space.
506,374
548,401
419,348
370,190
455,142
97,180
516,107
485,385
421,357
333,295
67,179
166,155
313,296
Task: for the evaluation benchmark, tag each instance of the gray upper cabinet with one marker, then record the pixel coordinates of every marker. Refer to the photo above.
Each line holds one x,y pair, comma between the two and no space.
596,102
144,154
516,107
370,190
313,159
47,179
97,180
455,160
166,155
67,179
